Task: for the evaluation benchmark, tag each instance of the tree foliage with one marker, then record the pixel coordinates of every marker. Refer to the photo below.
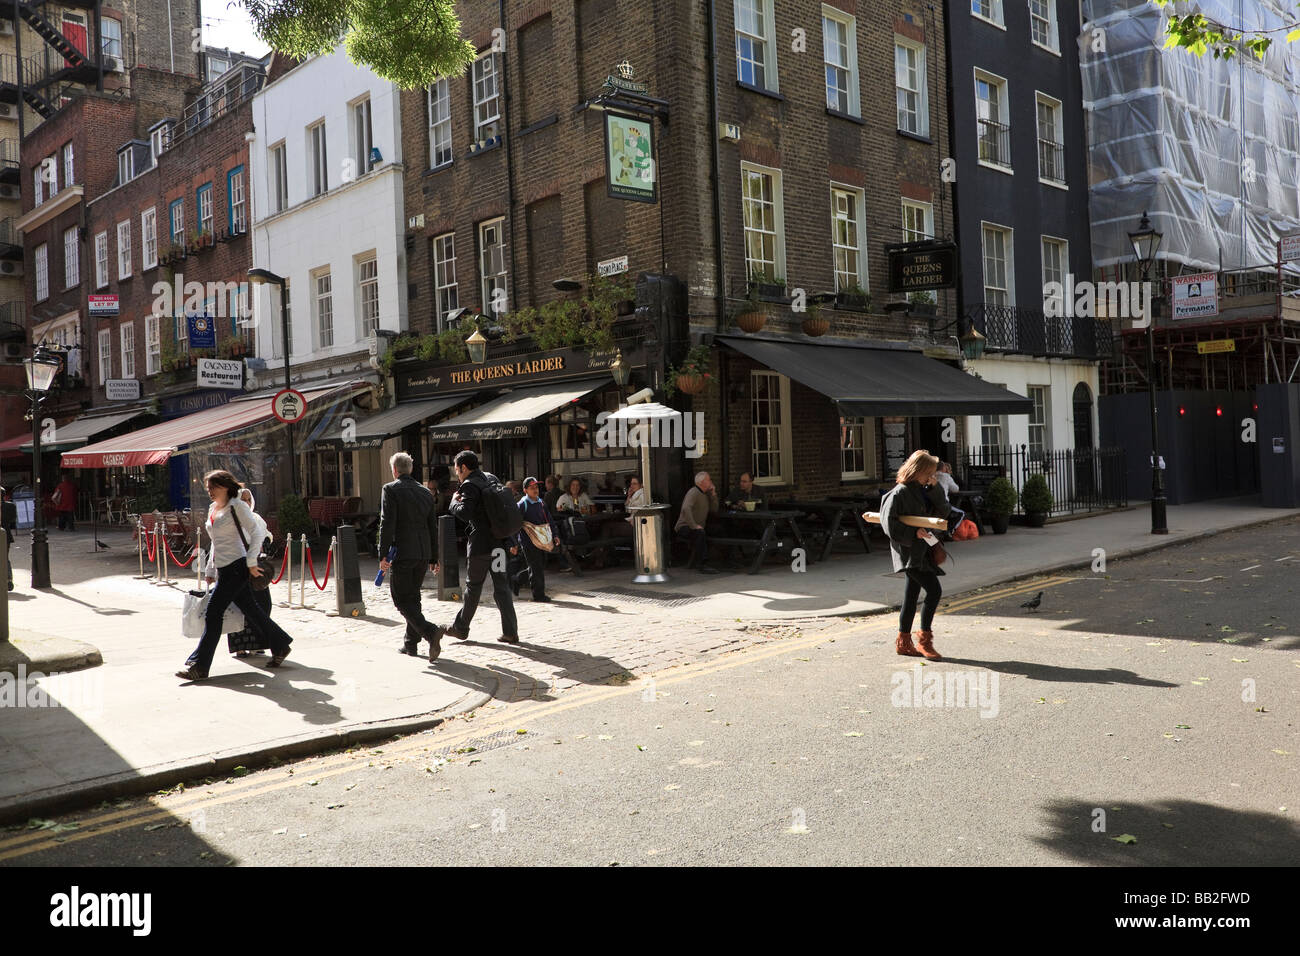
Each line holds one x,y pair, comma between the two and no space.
1201,34
408,42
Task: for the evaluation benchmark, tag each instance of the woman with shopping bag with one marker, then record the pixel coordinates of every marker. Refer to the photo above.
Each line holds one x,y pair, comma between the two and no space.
245,642
231,528
915,551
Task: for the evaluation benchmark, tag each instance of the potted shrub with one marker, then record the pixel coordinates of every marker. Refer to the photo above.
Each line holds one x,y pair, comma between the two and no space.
294,522
1036,500
853,298
691,376
762,283
814,323
921,303
750,316
999,503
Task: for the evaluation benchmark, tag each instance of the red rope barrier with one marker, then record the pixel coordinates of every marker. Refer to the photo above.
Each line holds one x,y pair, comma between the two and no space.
329,560
283,564
151,552
168,549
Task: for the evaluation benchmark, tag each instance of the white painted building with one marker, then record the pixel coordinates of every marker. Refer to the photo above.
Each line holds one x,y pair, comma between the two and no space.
1064,393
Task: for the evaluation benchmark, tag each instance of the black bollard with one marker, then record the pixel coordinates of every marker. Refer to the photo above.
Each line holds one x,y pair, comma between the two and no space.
348,573
448,560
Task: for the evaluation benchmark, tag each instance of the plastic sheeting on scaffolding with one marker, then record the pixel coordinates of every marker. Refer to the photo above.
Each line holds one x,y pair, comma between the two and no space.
1209,148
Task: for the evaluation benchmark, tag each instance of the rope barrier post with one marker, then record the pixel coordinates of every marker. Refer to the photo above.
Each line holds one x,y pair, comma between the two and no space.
159,557
288,571
139,546
302,573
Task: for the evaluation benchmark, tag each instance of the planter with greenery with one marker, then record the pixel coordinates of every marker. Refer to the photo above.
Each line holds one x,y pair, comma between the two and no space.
762,283
814,323
853,298
751,314
691,375
1036,500
575,322
999,503
294,522
921,303
231,347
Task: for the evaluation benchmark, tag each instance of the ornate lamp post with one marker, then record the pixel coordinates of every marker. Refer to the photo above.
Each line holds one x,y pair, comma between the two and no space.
41,369
1146,242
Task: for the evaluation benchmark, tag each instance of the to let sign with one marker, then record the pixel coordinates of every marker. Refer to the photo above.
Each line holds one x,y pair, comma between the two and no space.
218,373
102,305
916,267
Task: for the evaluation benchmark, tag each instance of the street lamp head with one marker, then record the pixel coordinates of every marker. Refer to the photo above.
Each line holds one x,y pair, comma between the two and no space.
264,276
41,369
1146,243
621,371
973,343
477,346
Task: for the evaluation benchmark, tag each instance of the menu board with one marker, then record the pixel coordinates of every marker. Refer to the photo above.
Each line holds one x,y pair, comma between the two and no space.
895,443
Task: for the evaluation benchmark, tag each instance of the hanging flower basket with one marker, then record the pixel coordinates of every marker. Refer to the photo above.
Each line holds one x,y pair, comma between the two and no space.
751,321
815,325
691,384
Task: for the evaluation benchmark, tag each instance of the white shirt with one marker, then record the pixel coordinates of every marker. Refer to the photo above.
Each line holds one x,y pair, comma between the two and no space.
946,482
636,499
224,535
566,502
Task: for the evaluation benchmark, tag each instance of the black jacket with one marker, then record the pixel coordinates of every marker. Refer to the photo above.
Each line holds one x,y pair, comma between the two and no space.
906,549
468,508
10,520
407,519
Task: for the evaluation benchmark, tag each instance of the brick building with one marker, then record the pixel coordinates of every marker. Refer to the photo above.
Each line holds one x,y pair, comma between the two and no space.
791,143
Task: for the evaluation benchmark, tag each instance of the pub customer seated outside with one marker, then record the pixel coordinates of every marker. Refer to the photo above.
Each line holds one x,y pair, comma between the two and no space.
700,501
747,491
575,501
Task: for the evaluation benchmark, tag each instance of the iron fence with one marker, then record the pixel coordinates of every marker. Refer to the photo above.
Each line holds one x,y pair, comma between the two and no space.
995,142
1010,328
1081,480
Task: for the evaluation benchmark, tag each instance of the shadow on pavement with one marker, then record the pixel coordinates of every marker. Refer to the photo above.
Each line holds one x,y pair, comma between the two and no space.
1070,675
277,687
501,683
584,668
113,611
1200,834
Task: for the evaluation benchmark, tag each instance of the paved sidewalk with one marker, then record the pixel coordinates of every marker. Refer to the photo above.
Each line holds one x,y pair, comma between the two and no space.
129,725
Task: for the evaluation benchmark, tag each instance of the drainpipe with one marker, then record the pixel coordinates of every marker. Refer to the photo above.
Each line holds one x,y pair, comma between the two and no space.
508,135
720,306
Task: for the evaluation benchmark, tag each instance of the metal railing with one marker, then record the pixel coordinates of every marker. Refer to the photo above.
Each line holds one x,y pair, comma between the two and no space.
1051,161
218,98
995,142
9,154
10,234
1081,480
1010,328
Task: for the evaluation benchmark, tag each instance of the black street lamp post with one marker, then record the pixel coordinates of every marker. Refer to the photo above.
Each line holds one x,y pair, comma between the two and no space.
266,277
1146,242
41,369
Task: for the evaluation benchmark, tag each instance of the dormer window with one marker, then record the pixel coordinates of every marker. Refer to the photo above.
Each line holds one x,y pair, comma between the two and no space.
125,165
160,139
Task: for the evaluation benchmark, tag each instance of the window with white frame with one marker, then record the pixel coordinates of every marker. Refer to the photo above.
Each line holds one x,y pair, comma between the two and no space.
910,87
1042,24
176,213
857,447
101,260
770,426
998,289
755,44
105,355
124,250
990,10
237,203
848,239
149,238
840,56
1056,259
71,258
69,167
52,174
1051,149
111,37
317,159
160,140
324,309
439,99
991,432
38,183
152,346
487,97
125,166
764,221
128,349
918,220
368,281
42,272
204,200
1039,429
446,292
362,135
992,119
492,264
279,178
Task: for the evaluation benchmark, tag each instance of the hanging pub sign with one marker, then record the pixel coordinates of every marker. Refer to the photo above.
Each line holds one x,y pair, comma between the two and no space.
202,331
918,266
629,158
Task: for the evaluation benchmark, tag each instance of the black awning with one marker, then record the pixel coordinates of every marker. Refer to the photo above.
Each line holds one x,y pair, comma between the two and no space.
512,415
374,431
874,381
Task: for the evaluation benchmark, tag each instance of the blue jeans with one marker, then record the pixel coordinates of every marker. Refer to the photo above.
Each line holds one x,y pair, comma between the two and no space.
233,588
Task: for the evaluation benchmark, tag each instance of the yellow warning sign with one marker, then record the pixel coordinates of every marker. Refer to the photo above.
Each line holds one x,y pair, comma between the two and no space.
1216,345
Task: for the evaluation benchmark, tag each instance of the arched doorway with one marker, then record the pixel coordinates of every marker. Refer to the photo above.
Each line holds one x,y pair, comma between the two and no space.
1085,477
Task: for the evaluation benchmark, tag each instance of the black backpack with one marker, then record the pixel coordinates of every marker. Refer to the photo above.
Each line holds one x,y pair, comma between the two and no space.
503,514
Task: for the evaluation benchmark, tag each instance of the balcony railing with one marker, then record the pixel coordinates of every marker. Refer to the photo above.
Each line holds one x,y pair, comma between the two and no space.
218,98
1051,161
995,143
1033,332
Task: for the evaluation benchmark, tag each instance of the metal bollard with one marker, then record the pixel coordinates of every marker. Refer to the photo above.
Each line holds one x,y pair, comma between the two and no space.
288,571
302,575
139,547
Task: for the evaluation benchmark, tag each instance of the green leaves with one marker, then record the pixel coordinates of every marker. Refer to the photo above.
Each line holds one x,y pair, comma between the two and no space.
1199,34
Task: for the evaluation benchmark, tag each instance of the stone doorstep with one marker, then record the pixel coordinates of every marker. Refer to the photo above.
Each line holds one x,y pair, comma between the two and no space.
46,654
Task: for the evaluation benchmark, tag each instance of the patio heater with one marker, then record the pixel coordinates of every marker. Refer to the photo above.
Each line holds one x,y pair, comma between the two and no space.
648,521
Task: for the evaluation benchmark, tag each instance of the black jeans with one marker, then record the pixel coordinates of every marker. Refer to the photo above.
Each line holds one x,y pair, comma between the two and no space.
404,581
479,567
698,541
233,588
916,580
67,520
534,571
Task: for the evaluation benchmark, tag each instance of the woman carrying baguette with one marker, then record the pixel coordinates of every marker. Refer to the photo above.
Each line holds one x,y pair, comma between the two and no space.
911,552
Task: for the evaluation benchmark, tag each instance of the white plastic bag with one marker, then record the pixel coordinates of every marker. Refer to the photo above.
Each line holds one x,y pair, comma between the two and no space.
194,612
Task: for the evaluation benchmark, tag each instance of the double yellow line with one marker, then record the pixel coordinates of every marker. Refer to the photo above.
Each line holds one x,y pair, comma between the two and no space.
460,732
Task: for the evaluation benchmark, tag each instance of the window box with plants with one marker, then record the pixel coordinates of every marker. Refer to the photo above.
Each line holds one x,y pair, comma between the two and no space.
921,303
765,285
999,502
585,321
691,375
1036,500
232,347
853,298
751,314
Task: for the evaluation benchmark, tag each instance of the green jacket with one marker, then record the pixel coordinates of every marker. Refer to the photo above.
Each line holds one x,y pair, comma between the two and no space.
907,550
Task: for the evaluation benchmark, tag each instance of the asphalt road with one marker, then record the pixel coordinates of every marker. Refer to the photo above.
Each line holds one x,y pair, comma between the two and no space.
1158,700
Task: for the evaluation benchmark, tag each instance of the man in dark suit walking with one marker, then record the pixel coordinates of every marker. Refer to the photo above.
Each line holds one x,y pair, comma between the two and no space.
468,507
407,519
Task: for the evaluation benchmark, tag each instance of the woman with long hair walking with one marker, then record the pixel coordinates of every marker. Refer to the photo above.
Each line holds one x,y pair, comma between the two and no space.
231,525
257,539
911,553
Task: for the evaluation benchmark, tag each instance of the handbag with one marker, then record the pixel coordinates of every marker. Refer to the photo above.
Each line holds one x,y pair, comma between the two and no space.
268,567
578,533
540,535
194,612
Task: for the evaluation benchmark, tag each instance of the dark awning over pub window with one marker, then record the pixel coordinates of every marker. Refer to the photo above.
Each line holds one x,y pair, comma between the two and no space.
512,414
874,381
373,431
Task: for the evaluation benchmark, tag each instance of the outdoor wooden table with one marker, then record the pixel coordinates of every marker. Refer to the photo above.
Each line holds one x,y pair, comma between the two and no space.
770,539
833,513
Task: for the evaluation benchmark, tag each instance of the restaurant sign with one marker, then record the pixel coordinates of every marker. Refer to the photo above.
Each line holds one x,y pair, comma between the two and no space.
918,266
522,370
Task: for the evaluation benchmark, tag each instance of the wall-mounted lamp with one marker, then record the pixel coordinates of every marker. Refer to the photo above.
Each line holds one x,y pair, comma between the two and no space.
477,346
621,371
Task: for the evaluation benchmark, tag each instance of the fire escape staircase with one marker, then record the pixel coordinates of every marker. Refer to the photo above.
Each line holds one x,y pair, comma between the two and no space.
42,90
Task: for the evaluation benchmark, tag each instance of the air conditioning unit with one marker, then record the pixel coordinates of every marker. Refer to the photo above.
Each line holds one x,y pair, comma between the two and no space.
6,28
9,191
113,64
14,351
8,110
8,268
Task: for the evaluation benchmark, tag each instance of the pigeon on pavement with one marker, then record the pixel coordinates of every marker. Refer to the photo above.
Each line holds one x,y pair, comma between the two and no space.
1033,605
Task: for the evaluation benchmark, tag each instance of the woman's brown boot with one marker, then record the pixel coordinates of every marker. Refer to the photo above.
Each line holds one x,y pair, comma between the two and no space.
904,645
926,641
